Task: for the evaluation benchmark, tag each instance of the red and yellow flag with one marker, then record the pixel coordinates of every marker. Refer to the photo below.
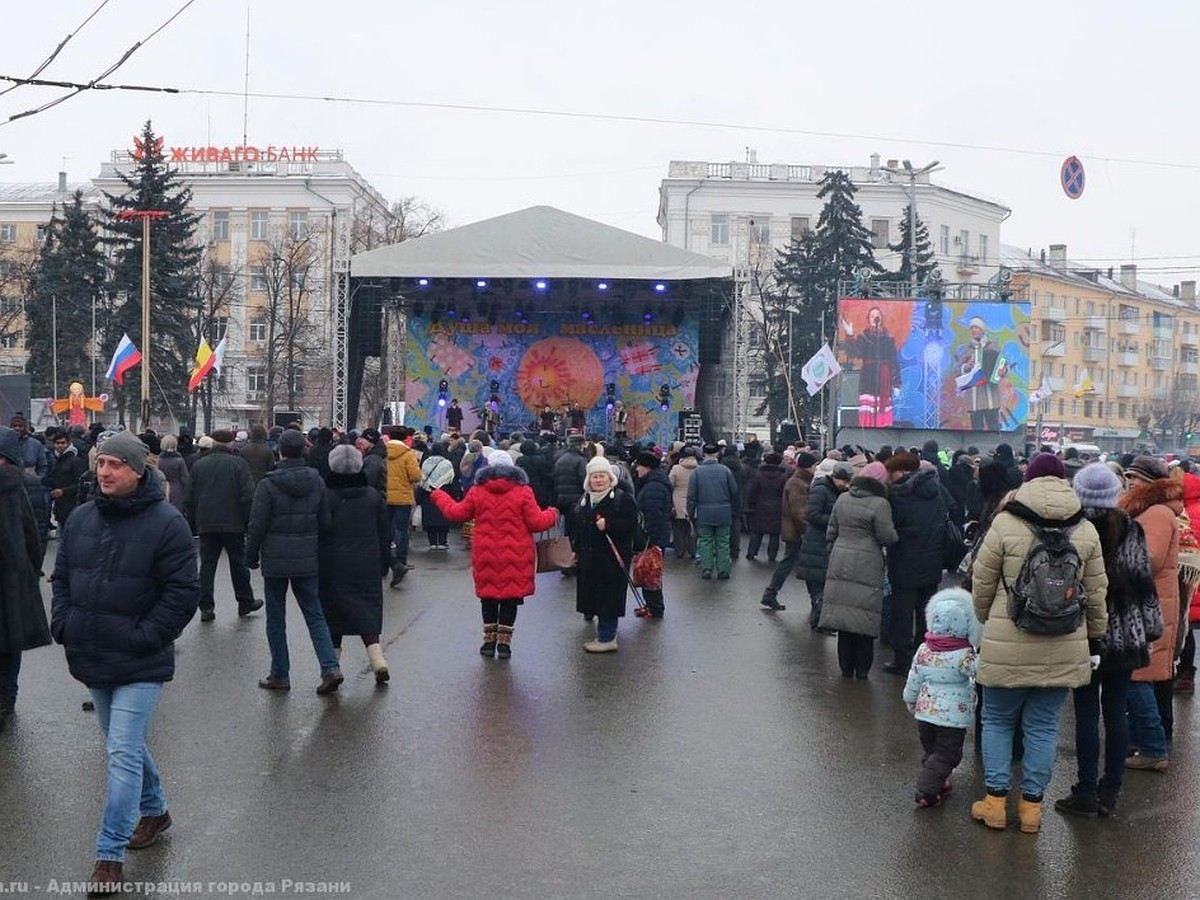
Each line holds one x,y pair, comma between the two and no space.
205,360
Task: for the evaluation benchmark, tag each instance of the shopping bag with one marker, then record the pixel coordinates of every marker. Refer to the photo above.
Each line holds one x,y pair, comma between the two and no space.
648,568
555,554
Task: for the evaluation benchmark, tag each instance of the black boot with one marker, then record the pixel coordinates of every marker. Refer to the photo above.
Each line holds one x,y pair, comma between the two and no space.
1080,803
488,647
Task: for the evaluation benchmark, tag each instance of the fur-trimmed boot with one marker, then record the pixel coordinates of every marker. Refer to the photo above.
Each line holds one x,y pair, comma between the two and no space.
378,663
992,810
489,639
504,635
1030,814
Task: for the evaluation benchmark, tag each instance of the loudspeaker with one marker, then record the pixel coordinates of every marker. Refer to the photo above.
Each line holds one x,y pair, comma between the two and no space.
284,419
788,433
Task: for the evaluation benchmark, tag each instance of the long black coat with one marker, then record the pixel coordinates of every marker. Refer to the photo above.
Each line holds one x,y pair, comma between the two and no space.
919,514
125,585
814,548
570,471
355,551
764,499
175,470
540,470
220,493
22,616
655,505
65,472
600,581
290,511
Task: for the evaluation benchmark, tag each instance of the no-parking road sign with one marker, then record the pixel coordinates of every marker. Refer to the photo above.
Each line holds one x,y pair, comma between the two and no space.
1072,178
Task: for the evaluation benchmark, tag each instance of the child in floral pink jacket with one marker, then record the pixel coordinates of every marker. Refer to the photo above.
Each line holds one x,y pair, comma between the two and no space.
940,691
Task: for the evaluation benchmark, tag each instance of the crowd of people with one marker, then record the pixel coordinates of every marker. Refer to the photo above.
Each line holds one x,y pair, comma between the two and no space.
1070,577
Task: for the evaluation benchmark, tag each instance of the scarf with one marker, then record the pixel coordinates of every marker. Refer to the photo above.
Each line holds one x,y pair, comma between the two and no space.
945,643
595,498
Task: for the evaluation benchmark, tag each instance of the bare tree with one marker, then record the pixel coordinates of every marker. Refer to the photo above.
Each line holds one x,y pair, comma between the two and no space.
218,289
408,218
15,268
1173,412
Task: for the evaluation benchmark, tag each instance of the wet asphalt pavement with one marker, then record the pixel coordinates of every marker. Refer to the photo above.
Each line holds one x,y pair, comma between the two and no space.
717,754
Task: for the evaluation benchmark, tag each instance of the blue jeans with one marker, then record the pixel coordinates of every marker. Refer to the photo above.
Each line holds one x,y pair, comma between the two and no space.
1145,726
1107,694
1037,709
308,597
133,787
606,630
401,518
10,670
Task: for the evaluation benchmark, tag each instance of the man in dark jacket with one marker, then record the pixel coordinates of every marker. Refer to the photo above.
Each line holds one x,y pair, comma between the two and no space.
958,483
712,496
655,503
258,456
219,496
570,474
22,617
792,525
1012,474
540,470
63,481
914,563
814,548
34,455
124,588
375,460
742,474
290,510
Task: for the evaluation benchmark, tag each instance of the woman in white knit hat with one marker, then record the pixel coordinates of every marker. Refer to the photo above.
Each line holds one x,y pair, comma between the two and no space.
604,523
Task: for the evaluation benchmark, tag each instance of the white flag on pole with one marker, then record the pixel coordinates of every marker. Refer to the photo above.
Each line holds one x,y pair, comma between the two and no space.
820,369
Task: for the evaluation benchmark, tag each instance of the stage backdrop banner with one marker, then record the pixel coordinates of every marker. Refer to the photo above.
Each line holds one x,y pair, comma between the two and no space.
954,365
554,360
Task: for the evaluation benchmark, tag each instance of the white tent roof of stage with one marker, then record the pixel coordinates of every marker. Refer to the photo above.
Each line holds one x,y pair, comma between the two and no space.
538,242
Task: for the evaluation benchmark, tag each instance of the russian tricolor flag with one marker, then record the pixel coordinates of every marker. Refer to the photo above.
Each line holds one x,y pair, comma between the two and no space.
124,359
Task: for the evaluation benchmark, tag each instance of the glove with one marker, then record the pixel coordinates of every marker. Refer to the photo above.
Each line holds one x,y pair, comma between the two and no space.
1094,661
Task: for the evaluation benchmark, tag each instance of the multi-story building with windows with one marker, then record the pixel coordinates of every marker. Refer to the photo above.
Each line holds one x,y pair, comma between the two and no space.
742,213
279,225
1121,356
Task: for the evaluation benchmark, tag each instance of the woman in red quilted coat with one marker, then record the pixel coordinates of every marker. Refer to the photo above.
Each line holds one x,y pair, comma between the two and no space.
1185,680
503,557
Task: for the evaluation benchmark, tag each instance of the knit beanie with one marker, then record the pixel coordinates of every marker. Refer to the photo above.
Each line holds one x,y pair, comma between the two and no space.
345,460
598,463
127,448
1097,486
500,458
876,470
805,460
1043,465
949,613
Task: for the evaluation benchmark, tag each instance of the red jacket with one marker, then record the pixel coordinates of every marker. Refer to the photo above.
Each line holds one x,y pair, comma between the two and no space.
1191,504
506,514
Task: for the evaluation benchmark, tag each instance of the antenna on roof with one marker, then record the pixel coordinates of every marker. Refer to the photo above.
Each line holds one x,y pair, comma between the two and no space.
246,87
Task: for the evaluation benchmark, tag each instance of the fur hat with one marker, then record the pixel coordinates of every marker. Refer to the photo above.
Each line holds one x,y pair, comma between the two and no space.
127,448
1097,486
222,436
598,463
10,445
902,462
949,613
1045,464
876,470
805,460
1147,468
648,459
500,458
773,459
344,459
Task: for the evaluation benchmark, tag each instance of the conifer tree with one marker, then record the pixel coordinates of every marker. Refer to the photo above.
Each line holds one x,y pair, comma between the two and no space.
66,285
174,270
922,250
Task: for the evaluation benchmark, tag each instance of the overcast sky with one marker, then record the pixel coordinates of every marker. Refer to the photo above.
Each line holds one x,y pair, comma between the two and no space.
999,93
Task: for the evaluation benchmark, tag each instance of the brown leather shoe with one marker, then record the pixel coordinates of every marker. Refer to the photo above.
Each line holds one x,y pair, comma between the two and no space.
106,879
149,829
330,681
274,684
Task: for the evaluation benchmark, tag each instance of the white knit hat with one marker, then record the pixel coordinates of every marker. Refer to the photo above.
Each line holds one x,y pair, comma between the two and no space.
598,463
500,458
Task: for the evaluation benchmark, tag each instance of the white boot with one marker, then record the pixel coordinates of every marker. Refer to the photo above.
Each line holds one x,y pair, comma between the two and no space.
378,664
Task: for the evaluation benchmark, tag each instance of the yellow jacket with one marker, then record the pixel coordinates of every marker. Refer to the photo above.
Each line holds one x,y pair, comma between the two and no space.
403,471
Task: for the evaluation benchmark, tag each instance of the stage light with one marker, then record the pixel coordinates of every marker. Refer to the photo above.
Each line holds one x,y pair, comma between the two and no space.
423,282
495,386
465,318
660,287
664,397
610,396
481,284
540,285
602,286
443,391
647,314
587,315
452,313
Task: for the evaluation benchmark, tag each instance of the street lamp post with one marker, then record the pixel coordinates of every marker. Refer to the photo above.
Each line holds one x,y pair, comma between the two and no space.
145,215
912,174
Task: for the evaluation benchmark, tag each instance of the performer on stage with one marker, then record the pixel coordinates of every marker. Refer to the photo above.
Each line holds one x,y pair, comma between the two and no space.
620,422
454,415
578,418
879,379
546,421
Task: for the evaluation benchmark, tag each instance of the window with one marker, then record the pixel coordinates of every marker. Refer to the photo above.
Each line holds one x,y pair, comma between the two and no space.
1076,306
258,330
718,230
879,233
41,232
1087,408
799,227
220,326
8,269
1033,298
220,226
256,379
258,279
760,231
1121,410
964,242
983,248
758,387
298,380
1074,407
1091,308
298,278
1033,368
298,225
10,341
1099,409
9,305
8,233
258,225
1062,407
944,240
223,379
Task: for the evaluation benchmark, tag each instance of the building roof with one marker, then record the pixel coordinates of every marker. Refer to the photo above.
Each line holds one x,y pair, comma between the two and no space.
41,191
538,242
1087,276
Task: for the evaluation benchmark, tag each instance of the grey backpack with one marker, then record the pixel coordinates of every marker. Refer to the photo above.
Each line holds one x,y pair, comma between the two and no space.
1048,596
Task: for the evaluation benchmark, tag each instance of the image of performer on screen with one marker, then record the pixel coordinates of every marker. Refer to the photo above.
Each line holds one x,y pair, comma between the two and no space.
982,368
454,415
879,376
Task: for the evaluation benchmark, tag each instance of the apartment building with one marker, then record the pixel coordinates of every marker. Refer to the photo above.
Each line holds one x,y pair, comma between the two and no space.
279,223
1119,356
744,212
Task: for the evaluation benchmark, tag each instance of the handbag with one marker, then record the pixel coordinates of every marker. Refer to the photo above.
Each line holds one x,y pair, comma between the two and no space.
555,554
954,548
648,568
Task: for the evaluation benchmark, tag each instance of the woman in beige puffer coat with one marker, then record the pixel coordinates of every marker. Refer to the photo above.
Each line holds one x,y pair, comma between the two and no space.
1026,676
